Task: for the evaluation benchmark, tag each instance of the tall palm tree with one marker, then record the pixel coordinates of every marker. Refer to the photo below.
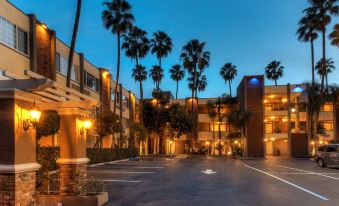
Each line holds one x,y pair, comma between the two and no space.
177,74
228,72
157,74
323,9
117,18
140,74
274,71
74,38
195,59
136,44
212,114
307,32
329,67
334,36
161,45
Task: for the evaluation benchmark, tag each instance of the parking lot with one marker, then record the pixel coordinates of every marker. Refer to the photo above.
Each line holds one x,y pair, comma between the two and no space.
219,181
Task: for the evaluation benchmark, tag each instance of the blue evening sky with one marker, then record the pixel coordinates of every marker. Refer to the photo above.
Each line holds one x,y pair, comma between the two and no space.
248,33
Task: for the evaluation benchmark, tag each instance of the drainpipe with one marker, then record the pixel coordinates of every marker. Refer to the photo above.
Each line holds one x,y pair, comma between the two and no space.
289,120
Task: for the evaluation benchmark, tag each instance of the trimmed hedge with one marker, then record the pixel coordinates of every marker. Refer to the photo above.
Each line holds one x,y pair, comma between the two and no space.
97,155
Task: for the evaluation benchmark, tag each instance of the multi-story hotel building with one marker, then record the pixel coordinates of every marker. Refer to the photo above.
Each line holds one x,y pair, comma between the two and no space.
31,50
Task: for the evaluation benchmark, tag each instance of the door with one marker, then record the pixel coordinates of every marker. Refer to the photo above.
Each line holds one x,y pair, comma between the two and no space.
269,148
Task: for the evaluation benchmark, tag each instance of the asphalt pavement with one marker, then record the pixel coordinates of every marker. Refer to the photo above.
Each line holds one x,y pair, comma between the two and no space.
219,181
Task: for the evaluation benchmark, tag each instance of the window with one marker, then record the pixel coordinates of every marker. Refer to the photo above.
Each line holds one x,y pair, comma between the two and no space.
331,148
327,108
62,64
328,126
91,81
269,128
321,149
13,36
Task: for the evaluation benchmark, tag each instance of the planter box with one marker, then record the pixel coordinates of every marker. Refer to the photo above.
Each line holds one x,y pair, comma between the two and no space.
52,200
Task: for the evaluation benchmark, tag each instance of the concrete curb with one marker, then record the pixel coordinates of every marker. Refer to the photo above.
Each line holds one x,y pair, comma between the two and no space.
94,165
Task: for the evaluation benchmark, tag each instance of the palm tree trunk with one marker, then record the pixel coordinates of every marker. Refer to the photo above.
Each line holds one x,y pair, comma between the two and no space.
219,120
74,38
275,81
117,79
229,84
324,58
326,82
176,93
312,60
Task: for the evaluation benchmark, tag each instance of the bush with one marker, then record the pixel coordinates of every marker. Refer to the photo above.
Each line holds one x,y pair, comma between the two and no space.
97,155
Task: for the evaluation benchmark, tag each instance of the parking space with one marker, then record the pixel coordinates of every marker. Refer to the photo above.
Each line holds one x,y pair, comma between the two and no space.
219,181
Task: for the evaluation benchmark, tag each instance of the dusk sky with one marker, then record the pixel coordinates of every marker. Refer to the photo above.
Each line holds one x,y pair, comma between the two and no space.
248,33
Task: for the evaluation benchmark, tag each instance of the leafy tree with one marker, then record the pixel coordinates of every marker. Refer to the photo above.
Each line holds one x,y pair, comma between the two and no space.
228,72
71,49
239,120
179,121
177,74
323,9
107,124
212,114
161,45
136,44
334,36
138,133
329,67
274,71
117,18
307,32
157,74
48,125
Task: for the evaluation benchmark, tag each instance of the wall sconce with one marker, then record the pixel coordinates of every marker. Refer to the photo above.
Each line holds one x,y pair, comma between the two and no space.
87,124
34,117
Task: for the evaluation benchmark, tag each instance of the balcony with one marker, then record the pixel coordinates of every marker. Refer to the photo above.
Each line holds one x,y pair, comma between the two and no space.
208,136
276,135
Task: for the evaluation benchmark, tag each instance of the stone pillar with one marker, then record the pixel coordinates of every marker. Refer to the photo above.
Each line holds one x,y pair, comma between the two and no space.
17,150
72,162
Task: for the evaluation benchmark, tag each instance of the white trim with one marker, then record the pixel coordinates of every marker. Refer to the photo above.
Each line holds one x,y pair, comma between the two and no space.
19,168
73,161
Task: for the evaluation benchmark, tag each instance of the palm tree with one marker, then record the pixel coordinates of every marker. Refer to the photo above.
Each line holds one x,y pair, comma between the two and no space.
307,32
136,44
202,83
212,114
157,74
228,72
239,119
195,59
118,18
323,9
274,71
334,36
177,74
161,45
329,67
74,38
140,74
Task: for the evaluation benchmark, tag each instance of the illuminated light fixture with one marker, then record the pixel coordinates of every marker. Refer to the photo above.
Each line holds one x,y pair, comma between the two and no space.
254,81
285,140
321,142
298,89
105,74
265,101
271,96
293,110
34,117
236,142
284,100
312,142
229,153
284,120
87,124
207,143
272,117
272,139
265,139
171,142
44,25
265,120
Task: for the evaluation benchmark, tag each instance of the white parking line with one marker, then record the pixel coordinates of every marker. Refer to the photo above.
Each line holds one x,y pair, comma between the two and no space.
128,181
148,167
299,173
314,173
110,172
289,183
